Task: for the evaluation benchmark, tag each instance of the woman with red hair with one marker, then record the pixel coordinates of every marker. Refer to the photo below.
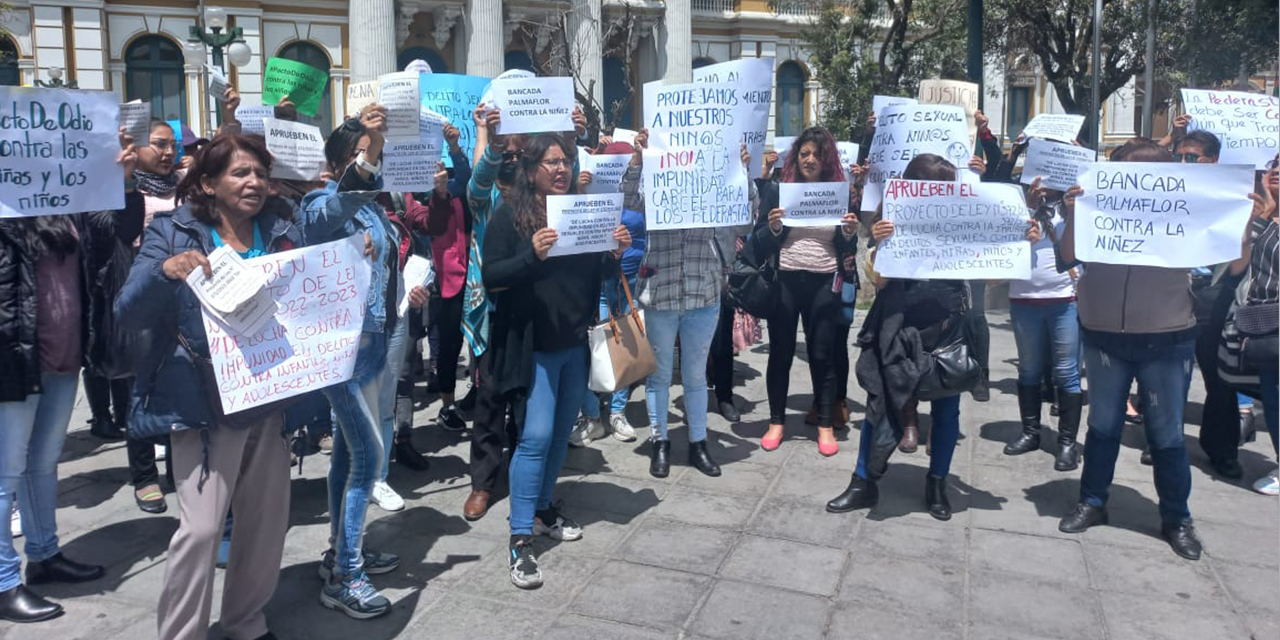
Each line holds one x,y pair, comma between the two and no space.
812,265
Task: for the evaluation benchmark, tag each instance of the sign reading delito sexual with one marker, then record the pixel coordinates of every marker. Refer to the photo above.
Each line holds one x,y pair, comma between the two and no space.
955,231
905,131
58,151
1162,214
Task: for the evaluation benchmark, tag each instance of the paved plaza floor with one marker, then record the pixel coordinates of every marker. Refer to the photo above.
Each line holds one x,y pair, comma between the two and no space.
751,555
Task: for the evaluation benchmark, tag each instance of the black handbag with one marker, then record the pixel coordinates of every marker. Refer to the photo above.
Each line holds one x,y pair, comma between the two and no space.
952,368
751,284
1257,325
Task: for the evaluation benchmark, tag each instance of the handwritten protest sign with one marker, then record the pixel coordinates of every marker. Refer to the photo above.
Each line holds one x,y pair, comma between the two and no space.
848,155
533,105
297,149
1248,124
688,189
409,166
454,97
1063,127
905,131
361,95
135,119
813,204
1058,165
584,223
606,171
252,118
878,103
1162,214
58,151
754,79
954,230
302,83
398,92
953,92
701,181
312,340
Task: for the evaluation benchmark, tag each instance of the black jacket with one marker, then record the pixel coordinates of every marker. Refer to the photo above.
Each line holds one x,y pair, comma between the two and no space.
19,344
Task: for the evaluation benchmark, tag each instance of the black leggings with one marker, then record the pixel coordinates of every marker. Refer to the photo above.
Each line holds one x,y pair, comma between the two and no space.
804,298
720,365
446,320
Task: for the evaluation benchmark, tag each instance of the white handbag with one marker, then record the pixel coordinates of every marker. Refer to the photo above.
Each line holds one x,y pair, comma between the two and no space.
620,351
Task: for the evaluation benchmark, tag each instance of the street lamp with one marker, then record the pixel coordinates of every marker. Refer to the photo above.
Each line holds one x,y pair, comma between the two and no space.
55,80
215,20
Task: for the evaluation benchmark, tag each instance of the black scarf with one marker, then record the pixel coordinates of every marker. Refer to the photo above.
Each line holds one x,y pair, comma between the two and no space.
154,184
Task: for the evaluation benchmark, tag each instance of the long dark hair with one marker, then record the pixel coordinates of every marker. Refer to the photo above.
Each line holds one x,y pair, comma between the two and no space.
342,144
828,156
530,208
212,161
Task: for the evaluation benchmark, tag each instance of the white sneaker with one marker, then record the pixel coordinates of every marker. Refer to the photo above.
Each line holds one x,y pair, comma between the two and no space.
160,449
622,430
385,497
585,431
15,523
1268,485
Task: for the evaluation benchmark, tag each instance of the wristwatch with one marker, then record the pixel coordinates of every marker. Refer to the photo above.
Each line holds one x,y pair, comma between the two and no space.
372,169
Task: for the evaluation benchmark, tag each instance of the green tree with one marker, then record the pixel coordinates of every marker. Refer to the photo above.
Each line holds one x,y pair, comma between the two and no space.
860,48
1225,40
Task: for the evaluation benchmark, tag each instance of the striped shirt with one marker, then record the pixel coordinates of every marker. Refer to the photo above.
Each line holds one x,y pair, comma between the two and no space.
1263,262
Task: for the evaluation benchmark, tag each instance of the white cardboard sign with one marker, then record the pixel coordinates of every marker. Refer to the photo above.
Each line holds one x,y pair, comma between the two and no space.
1248,124
1063,127
534,105
813,204
754,79
905,131
606,171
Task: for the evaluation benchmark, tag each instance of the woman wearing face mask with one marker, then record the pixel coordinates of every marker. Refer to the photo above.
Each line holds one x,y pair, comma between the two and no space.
539,351
225,203
344,207
809,272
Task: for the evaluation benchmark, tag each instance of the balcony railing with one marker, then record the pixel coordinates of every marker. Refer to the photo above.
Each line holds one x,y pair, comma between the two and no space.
798,7
715,6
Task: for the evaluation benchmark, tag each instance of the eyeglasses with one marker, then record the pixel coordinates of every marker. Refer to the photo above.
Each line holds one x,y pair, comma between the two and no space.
508,156
1273,164
556,163
1187,157
163,145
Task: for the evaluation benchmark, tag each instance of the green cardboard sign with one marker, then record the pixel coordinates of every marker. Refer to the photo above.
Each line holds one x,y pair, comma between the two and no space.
302,83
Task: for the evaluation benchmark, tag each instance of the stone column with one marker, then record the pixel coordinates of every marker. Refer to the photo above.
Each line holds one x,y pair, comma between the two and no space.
372,36
585,56
484,40
675,43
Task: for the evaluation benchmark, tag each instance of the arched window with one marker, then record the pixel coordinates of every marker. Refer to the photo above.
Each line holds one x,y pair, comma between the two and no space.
154,73
422,53
699,63
615,90
313,56
789,117
518,60
9,75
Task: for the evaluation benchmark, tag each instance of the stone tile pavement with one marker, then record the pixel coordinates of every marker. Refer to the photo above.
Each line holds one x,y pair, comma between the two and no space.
748,556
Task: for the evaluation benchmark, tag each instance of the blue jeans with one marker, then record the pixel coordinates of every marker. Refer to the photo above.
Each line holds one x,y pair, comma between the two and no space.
611,297
1271,404
31,435
696,329
357,451
396,347
554,399
1163,375
943,434
1043,331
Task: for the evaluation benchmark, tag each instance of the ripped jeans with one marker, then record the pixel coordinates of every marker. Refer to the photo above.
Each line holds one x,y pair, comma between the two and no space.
1163,371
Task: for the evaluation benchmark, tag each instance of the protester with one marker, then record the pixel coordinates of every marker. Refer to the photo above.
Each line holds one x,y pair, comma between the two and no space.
217,466
1136,322
808,277
613,301
539,359
1258,317
1046,331
47,267
341,209
979,331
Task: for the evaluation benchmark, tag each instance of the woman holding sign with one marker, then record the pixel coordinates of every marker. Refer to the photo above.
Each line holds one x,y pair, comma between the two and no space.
813,265
216,465
1135,322
538,343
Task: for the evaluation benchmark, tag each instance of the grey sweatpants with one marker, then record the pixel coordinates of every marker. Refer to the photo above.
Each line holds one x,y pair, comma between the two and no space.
248,472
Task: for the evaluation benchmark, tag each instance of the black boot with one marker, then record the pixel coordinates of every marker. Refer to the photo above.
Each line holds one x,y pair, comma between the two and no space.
935,497
1068,427
59,568
1029,410
660,458
982,390
700,459
106,429
20,604
861,494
